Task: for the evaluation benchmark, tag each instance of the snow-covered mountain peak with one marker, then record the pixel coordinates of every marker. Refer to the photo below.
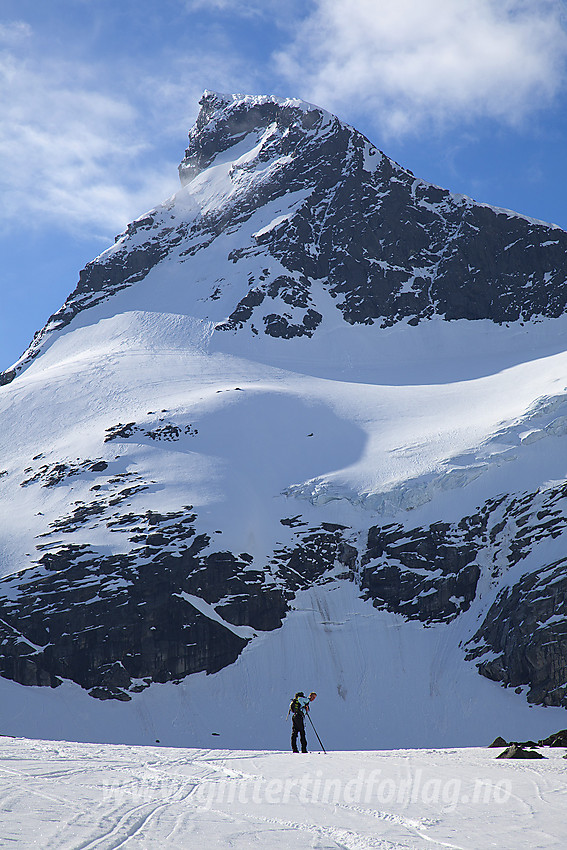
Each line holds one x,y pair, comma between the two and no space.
307,379
225,121
290,225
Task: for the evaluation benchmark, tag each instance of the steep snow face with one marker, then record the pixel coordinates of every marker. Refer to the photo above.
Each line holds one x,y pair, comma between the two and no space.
257,393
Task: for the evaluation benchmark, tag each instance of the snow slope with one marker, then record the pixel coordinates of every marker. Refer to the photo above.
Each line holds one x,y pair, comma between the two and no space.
61,796
375,448
382,446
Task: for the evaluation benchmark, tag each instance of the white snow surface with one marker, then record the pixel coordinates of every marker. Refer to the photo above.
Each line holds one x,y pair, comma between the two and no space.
275,442
61,796
357,425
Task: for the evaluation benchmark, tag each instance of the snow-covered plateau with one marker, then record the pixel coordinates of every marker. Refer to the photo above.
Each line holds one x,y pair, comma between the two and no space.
64,796
303,426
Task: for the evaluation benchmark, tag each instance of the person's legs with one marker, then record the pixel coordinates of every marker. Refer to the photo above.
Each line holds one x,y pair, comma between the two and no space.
294,732
302,736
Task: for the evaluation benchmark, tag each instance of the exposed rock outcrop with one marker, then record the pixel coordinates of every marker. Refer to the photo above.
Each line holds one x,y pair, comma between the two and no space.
516,751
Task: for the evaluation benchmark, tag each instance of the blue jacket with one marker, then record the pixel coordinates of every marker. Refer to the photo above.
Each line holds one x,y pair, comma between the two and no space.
304,702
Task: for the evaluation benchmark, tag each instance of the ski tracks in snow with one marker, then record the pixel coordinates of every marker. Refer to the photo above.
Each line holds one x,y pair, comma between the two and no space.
345,839
100,797
416,827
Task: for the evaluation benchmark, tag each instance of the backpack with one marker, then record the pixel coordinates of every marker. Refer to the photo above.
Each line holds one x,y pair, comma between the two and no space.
295,705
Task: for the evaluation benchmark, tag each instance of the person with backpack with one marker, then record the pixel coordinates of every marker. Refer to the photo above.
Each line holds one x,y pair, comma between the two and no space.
298,708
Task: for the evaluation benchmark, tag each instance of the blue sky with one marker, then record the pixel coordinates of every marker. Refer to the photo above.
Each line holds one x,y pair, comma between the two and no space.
97,96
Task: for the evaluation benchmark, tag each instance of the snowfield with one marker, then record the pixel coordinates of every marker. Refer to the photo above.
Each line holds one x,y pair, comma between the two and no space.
394,441
332,449
62,796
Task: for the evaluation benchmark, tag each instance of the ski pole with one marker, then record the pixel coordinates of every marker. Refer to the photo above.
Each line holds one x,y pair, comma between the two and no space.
318,738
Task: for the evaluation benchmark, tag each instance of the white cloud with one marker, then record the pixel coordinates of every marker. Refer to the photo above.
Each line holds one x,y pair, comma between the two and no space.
12,32
245,8
67,151
269,13
236,6
89,148
416,61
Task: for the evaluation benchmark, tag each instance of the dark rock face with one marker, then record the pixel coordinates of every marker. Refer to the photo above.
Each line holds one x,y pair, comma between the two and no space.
498,742
314,553
524,632
431,574
115,623
387,246
473,262
426,574
558,739
527,629
7,376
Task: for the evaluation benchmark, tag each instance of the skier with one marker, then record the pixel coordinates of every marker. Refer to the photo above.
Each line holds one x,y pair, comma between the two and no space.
299,707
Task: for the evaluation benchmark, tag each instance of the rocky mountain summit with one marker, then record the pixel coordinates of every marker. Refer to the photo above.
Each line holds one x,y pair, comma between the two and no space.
344,219
307,369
